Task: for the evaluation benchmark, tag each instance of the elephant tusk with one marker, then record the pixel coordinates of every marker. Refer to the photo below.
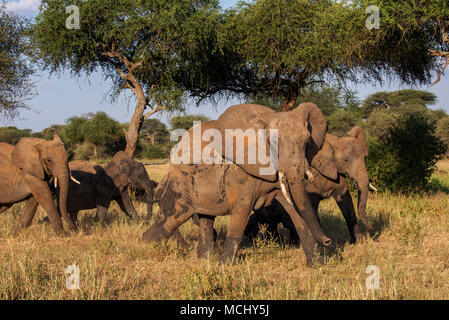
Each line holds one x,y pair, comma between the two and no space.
284,188
74,180
310,176
373,188
56,182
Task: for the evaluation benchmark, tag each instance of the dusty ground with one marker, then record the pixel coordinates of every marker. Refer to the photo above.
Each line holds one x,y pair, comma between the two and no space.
410,248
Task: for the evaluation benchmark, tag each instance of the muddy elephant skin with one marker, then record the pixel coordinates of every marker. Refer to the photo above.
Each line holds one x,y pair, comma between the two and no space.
236,189
102,184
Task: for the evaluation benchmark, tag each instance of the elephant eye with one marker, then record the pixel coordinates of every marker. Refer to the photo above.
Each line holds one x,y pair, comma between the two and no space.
48,160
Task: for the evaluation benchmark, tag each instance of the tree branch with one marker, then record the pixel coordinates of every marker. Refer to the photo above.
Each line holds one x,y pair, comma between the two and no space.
153,111
444,29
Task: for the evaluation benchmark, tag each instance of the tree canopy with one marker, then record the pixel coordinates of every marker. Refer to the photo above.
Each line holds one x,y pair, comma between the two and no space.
148,47
187,121
277,47
12,135
95,130
16,86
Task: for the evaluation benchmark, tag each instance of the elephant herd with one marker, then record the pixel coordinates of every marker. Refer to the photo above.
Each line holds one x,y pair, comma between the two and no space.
36,170
311,166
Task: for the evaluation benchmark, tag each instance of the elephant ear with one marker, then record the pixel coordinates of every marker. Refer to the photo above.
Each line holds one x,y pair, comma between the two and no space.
27,156
243,118
324,162
358,134
313,119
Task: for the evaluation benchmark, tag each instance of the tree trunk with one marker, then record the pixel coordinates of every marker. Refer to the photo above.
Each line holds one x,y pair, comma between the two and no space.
290,102
132,135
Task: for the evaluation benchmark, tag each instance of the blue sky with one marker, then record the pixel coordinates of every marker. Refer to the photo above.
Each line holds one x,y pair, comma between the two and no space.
62,97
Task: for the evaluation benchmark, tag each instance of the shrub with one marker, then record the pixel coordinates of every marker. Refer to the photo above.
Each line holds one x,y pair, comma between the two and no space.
155,152
12,135
404,158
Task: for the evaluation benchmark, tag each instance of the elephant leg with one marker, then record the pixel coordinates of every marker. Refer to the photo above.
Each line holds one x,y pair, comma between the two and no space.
252,228
310,245
288,224
42,194
28,214
207,236
344,202
196,219
126,205
273,231
236,229
179,239
74,216
102,210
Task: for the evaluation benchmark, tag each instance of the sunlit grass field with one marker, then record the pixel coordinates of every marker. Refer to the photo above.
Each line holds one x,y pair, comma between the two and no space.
410,248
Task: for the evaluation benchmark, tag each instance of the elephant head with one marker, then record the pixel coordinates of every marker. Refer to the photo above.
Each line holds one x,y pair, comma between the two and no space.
294,130
45,159
125,172
347,155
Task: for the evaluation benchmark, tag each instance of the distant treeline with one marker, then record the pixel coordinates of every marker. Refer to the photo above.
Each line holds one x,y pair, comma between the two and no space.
98,136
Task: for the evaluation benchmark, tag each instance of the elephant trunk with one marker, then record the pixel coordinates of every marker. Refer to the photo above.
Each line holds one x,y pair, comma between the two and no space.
62,175
301,200
149,194
362,183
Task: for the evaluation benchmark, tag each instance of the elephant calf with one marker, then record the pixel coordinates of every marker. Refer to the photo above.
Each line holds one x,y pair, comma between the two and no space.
102,184
339,158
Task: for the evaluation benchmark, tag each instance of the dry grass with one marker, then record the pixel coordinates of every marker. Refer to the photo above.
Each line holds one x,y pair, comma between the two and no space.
411,249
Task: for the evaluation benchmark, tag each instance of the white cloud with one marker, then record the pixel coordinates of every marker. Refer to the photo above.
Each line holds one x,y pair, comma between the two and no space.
23,6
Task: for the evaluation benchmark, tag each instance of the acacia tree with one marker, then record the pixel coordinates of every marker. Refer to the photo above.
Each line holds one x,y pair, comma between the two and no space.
187,121
278,47
154,131
15,84
148,47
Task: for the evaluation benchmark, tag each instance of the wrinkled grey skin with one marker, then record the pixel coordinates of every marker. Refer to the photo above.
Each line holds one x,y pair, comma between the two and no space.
99,185
237,189
33,163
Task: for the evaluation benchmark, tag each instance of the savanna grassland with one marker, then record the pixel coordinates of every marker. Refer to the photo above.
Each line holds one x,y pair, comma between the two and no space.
410,248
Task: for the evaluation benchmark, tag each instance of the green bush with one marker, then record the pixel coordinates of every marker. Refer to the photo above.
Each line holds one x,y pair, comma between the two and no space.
12,135
155,152
403,159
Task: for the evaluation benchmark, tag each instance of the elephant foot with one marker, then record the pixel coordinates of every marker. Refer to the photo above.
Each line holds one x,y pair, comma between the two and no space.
179,239
72,226
368,225
205,249
155,233
314,261
230,248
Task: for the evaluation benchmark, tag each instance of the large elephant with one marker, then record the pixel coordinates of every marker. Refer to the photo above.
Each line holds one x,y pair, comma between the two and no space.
5,159
33,163
101,184
339,158
237,187
5,153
